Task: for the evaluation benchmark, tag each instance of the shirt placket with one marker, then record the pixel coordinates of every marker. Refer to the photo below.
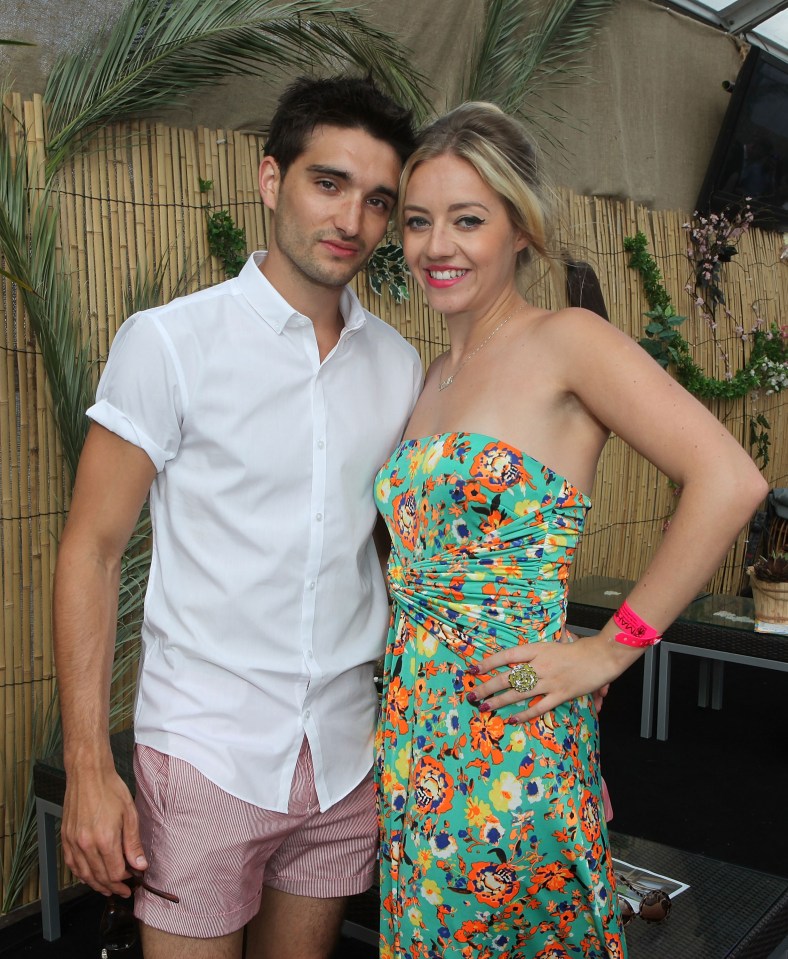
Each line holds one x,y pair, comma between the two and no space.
317,520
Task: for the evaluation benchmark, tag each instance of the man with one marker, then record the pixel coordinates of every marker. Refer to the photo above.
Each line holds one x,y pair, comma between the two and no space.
254,415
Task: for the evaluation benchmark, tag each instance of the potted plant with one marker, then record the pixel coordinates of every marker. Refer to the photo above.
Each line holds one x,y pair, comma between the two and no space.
769,581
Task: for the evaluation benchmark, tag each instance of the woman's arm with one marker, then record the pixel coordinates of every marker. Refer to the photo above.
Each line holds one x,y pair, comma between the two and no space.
621,386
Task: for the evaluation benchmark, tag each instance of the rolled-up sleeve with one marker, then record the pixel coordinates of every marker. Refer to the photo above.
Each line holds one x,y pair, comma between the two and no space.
142,393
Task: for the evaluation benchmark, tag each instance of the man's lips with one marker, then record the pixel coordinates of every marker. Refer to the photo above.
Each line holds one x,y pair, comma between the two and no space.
340,249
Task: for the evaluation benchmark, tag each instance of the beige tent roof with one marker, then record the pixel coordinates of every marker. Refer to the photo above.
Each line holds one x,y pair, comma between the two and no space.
642,125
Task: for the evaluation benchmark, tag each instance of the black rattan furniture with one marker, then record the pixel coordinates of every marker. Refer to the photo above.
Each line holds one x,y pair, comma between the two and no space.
716,628
719,629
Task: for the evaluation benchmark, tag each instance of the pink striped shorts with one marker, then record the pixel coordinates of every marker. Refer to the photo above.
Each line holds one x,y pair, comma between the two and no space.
216,852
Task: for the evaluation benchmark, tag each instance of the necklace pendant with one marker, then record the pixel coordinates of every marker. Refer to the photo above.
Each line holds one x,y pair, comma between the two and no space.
447,382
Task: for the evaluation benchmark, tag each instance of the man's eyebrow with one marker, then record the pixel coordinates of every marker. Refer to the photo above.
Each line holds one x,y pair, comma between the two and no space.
348,178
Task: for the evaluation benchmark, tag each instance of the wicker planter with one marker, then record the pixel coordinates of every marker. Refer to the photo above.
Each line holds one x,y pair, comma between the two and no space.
771,602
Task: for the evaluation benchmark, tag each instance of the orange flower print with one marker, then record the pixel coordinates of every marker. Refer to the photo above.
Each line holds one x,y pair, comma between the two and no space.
434,788
551,876
615,947
474,493
500,466
495,520
469,929
495,883
397,698
553,950
589,817
487,730
405,518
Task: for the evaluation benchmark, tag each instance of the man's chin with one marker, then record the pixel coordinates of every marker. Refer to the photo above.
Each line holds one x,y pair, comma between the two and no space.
340,276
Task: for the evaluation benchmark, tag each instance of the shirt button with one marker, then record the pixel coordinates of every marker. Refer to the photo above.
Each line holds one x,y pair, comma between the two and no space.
307,713
309,654
320,444
312,585
319,517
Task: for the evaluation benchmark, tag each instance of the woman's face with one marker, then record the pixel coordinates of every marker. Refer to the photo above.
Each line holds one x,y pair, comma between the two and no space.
458,239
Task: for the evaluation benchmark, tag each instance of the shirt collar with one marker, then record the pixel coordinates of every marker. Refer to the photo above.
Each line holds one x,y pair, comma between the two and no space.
272,307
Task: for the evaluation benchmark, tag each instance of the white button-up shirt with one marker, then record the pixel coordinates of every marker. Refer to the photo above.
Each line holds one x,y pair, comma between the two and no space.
266,607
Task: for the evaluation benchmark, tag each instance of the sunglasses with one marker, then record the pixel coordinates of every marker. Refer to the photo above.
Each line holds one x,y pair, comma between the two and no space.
117,927
137,878
655,904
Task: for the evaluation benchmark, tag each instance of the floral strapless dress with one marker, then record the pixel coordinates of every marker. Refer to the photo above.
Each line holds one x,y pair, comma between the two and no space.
493,842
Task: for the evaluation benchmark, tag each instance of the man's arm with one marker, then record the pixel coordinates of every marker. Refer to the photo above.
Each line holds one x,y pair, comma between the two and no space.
99,827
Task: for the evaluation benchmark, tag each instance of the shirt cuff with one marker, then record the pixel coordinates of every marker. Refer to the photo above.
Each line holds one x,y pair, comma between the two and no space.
111,418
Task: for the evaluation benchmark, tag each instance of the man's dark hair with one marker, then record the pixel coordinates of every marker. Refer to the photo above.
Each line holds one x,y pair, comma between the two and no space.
349,102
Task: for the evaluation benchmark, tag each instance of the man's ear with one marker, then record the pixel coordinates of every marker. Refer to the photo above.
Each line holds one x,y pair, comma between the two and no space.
269,178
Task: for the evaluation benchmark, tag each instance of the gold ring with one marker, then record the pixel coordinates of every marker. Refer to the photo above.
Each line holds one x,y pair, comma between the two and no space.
522,677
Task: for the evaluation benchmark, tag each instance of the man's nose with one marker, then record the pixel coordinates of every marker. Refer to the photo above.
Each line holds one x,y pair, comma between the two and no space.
348,217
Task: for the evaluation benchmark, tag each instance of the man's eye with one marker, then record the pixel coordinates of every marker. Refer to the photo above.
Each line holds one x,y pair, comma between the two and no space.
326,184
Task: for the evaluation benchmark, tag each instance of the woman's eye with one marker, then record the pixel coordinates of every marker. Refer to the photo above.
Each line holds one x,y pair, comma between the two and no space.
415,223
469,222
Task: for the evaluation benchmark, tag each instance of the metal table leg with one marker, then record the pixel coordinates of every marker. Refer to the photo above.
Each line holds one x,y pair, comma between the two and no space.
47,815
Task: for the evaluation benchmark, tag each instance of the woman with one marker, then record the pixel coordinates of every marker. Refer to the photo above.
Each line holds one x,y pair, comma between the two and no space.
493,842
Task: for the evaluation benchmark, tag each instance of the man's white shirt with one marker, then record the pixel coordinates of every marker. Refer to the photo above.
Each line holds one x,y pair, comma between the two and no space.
266,607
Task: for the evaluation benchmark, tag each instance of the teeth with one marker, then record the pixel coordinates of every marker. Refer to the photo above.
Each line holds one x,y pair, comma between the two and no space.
446,274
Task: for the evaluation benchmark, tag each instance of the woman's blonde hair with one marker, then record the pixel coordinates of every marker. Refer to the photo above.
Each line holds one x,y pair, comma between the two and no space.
503,155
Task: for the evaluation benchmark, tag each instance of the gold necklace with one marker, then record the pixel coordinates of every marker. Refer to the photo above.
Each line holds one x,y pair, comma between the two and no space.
443,384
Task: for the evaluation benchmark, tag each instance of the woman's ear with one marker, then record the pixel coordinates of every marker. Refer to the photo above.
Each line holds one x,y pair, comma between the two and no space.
521,241
269,177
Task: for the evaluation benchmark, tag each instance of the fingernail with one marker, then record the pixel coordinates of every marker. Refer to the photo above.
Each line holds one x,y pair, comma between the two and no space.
484,708
473,670
140,862
511,721
472,697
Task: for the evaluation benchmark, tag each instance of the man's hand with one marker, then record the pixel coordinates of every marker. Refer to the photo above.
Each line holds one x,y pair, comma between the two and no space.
100,832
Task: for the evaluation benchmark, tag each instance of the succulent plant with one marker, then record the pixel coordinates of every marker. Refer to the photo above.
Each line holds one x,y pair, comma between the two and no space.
771,569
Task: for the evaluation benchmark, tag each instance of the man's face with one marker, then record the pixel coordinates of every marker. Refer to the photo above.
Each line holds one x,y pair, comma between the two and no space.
331,207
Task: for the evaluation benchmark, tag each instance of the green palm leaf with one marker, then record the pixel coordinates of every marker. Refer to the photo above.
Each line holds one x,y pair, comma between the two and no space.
28,242
159,52
526,45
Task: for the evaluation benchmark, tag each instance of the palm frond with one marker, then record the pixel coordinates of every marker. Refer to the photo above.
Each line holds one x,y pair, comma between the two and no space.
16,43
159,52
14,279
524,46
49,739
28,241
28,232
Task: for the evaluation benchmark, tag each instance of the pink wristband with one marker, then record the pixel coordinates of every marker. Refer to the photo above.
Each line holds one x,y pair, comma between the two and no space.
634,631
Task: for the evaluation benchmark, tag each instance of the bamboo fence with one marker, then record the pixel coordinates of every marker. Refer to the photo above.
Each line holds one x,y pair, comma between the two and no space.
133,203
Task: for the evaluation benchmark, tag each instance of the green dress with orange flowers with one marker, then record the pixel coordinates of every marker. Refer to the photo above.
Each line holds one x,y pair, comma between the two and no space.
493,843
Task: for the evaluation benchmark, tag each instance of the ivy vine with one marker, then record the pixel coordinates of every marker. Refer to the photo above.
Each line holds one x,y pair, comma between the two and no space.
764,369
387,266
226,241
